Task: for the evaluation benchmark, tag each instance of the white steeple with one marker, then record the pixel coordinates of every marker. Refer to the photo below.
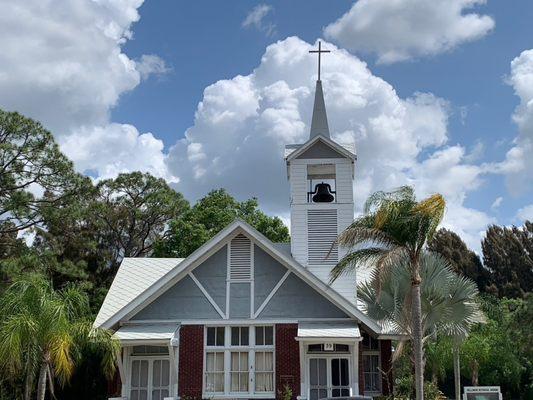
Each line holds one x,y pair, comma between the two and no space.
321,174
319,122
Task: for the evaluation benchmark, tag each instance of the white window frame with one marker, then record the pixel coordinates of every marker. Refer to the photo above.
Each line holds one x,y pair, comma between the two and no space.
150,359
227,349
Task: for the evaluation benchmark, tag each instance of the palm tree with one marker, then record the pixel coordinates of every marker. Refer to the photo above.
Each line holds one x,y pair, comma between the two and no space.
43,332
448,301
394,227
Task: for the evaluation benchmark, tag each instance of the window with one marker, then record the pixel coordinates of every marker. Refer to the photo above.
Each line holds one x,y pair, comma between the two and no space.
264,371
243,364
371,372
150,379
214,369
240,336
337,348
215,336
149,350
239,371
369,343
264,336
371,364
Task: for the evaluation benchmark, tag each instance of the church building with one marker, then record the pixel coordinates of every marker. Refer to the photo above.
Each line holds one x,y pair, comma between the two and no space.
245,318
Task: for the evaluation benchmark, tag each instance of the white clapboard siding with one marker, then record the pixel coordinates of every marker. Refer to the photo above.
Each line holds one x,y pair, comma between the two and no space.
299,234
344,182
321,237
298,174
240,264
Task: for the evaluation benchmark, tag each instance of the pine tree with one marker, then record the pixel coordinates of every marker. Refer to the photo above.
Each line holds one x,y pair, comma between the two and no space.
508,253
464,261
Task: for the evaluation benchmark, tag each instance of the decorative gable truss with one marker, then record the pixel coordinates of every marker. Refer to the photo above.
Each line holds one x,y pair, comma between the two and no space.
238,275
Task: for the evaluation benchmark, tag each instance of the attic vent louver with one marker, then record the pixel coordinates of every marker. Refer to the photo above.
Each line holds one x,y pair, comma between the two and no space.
240,258
321,234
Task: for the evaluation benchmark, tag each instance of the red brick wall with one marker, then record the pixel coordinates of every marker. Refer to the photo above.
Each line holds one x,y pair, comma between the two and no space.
361,375
287,359
191,356
386,366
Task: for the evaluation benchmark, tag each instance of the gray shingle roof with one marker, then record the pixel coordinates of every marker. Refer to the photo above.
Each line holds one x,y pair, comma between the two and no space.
134,276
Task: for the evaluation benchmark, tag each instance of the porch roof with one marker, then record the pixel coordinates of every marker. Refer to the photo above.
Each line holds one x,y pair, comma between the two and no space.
146,332
328,330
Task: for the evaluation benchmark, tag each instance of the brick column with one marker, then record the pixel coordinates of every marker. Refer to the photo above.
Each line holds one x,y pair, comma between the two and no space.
191,361
287,359
361,374
385,349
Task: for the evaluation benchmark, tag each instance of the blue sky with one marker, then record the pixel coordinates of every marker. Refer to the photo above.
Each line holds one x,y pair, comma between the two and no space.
115,109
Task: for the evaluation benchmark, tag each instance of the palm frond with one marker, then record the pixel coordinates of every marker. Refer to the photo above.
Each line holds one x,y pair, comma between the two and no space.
355,235
60,356
349,263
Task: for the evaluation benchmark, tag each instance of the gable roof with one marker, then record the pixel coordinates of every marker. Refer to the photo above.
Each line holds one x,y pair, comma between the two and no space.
133,277
178,271
291,151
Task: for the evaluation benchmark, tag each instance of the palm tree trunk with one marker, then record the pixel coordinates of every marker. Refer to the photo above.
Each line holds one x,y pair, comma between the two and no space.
475,373
28,383
457,371
41,384
28,379
418,349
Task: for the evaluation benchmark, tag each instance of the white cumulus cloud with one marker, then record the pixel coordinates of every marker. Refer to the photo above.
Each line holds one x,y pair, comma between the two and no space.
398,30
62,64
518,163
242,124
525,213
256,18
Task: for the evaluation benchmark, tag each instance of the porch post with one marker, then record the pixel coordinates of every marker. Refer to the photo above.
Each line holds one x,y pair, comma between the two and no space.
303,372
355,363
360,367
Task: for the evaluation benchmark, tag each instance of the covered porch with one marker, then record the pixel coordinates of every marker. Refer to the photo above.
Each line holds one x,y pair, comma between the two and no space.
148,361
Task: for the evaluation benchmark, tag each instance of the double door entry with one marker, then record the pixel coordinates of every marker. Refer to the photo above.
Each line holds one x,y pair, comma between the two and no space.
328,377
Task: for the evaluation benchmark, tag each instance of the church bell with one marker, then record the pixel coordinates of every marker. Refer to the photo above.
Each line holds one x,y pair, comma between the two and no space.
323,193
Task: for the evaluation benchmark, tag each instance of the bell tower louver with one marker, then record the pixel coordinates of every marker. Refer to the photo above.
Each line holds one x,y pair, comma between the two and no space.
321,175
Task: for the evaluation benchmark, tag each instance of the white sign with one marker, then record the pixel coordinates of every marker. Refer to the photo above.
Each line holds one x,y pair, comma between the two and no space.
482,393
329,347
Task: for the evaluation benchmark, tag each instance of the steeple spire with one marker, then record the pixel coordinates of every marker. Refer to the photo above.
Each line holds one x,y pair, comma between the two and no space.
319,122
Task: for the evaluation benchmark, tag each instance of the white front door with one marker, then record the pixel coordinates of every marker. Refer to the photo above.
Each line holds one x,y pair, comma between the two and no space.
329,377
150,379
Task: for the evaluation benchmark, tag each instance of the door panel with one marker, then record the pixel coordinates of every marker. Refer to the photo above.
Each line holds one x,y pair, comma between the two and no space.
318,378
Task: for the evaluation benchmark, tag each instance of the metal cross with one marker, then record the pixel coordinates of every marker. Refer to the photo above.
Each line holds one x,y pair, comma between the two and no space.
319,51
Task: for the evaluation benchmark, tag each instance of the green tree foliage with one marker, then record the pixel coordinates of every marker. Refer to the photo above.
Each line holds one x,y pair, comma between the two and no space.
463,260
497,352
395,228
209,216
134,210
30,164
43,332
508,253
